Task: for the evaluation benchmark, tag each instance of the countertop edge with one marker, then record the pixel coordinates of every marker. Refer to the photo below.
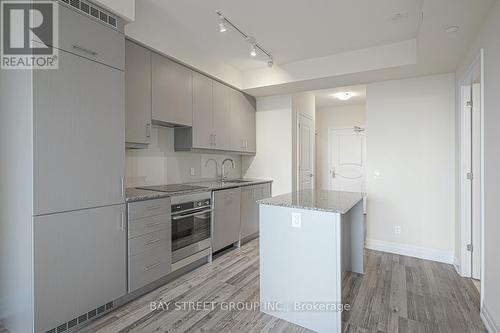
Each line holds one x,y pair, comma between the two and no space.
151,195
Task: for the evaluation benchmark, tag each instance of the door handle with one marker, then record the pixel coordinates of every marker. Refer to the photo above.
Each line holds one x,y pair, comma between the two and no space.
311,175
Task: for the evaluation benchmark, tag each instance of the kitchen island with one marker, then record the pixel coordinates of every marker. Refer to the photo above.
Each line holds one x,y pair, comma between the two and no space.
307,240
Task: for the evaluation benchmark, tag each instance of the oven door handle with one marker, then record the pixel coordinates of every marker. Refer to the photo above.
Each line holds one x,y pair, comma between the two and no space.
190,210
178,217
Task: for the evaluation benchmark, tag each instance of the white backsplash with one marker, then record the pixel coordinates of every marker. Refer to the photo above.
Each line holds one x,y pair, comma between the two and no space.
160,164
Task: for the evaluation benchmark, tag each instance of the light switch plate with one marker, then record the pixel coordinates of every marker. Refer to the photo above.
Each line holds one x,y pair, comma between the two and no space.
296,220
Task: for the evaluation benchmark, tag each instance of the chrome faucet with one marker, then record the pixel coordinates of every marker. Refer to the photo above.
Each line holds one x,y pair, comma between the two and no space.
223,169
216,166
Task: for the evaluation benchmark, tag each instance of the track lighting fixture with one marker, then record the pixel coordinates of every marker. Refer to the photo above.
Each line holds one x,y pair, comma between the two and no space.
270,62
253,51
224,22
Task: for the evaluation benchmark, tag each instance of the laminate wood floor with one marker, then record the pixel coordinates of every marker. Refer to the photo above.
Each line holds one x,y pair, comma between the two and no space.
396,294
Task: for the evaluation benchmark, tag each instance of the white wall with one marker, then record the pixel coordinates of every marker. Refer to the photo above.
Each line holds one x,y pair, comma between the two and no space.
343,116
16,193
160,164
274,143
411,164
489,40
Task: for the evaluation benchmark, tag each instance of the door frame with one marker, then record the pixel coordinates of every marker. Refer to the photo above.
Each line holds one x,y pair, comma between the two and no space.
330,167
465,158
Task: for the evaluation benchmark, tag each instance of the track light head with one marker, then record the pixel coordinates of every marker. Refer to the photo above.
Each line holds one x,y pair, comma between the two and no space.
222,25
222,22
253,51
270,62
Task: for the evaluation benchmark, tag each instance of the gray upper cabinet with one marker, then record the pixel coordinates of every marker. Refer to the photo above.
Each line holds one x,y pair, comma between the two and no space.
79,263
242,122
172,92
203,133
82,36
222,113
137,94
78,136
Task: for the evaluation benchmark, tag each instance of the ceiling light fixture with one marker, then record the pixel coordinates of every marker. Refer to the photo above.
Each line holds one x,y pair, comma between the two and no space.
343,96
451,29
253,51
224,22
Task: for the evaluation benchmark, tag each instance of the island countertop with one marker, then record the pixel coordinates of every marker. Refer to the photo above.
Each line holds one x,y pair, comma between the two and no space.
323,200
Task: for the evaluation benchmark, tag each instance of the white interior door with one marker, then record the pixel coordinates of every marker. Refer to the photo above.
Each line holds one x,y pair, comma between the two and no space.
347,159
306,153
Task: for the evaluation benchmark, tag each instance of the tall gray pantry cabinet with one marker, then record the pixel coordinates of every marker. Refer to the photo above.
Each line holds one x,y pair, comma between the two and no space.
76,236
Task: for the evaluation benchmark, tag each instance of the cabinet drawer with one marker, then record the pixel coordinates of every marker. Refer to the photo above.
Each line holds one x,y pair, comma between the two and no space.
148,266
148,225
83,36
149,241
141,209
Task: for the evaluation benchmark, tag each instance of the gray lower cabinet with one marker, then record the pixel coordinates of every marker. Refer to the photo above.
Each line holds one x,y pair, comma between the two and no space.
172,92
249,207
78,136
137,94
79,263
149,242
226,218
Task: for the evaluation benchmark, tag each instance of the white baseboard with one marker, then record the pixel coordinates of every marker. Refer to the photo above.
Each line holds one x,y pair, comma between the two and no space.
446,257
488,321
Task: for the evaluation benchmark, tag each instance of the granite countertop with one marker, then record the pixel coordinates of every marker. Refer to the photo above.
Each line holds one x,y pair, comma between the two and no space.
322,200
134,194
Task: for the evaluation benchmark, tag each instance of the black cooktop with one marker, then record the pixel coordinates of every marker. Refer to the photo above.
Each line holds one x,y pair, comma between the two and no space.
172,188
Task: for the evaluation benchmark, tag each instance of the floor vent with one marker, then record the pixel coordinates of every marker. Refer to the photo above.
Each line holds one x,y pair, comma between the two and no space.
93,11
78,321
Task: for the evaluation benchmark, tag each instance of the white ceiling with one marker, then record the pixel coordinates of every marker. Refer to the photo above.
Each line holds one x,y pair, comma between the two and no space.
290,29
298,31
325,98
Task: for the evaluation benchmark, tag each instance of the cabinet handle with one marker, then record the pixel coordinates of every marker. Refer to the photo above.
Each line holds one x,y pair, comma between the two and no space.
215,139
122,187
212,139
150,267
153,241
151,225
148,130
122,221
84,50
153,208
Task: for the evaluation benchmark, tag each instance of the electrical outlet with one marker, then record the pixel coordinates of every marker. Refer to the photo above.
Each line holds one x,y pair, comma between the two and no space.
192,172
296,220
397,229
